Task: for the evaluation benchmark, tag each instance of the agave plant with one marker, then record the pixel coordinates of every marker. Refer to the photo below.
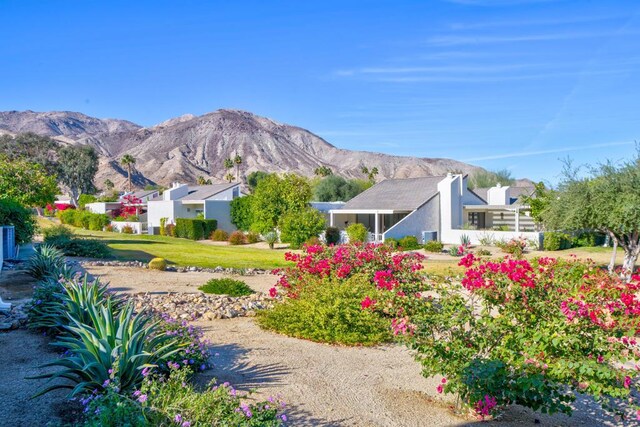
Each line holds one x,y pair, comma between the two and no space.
112,348
70,299
46,262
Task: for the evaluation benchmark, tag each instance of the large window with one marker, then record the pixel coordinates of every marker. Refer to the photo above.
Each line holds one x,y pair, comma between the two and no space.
476,219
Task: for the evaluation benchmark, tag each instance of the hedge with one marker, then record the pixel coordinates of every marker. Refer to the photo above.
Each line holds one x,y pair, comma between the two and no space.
13,213
84,219
554,241
195,229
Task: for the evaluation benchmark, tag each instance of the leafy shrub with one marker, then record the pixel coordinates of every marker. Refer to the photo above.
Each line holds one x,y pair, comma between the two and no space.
158,264
329,311
588,239
357,233
483,252
163,224
219,235
121,343
297,227
13,213
253,237
46,261
271,238
127,229
194,349
57,235
313,240
434,246
109,228
66,216
391,242
175,401
586,319
226,286
86,248
241,212
170,230
457,251
515,246
85,199
409,243
554,241
332,235
237,238
194,229
84,219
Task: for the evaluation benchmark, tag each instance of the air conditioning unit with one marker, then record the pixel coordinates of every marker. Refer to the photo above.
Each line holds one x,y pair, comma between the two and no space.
9,241
427,236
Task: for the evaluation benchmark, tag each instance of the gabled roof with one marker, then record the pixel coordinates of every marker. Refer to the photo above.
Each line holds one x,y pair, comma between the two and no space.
140,194
203,192
397,194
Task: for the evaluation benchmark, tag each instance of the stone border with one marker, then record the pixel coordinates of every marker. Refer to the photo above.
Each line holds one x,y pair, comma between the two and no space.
140,264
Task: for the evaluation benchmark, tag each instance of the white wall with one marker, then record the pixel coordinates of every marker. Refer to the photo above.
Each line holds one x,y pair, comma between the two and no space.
161,209
102,207
425,218
220,210
499,195
175,192
119,225
451,192
453,236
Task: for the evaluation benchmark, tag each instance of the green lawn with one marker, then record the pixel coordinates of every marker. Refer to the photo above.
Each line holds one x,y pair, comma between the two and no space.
182,252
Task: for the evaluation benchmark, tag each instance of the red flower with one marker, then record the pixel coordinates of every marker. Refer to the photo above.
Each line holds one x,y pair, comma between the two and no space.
367,303
273,292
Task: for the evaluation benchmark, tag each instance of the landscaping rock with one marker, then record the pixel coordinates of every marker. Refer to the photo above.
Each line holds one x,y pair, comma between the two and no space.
187,306
138,264
14,319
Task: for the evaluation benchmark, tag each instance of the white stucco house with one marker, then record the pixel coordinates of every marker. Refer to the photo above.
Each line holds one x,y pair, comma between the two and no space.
437,208
186,201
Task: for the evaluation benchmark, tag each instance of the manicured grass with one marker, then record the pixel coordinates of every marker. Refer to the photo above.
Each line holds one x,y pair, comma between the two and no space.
181,252
226,286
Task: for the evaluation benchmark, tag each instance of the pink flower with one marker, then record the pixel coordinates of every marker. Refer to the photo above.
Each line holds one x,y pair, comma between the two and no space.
444,381
142,398
627,381
440,388
273,292
367,303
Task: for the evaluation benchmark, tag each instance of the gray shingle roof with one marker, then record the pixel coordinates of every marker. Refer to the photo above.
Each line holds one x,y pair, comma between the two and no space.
203,192
397,194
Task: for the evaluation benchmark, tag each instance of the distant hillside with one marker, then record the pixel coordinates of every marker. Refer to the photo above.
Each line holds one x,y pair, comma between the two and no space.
183,148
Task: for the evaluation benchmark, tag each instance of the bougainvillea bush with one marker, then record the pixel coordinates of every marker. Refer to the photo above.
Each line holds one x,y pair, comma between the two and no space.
523,332
329,289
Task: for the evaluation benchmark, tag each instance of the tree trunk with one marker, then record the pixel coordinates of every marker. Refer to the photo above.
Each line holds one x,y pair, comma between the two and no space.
129,176
612,263
631,253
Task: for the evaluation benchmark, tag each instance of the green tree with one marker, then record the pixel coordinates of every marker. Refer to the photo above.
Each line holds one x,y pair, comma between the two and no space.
323,171
202,181
14,213
241,213
254,178
77,166
33,148
27,183
108,185
299,226
539,201
228,164
276,196
370,173
128,161
485,179
607,200
335,188
237,161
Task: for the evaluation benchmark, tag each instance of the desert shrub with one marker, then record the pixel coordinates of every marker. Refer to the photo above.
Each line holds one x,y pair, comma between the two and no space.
564,328
483,252
409,243
237,238
391,242
13,213
457,251
46,261
158,264
193,350
434,246
515,246
465,240
554,241
329,311
357,233
226,286
332,236
487,239
175,401
194,229
57,235
271,238
170,230
127,229
86,248
253,237
297,227
219,235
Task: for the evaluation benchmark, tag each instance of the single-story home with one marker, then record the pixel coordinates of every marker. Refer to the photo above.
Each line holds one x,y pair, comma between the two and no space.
436,208
186,201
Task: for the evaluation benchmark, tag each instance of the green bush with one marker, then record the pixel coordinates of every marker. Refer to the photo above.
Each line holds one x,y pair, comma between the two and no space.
84,219
313,241
219,236
85,199
127,229
158,264
483,252
434,246
332,236
329,311
97,222
357,233
241,213
237,238
57,235
226,286
588,239
46,261
409,243
392,242
86,248
195,229
297,227
13,213
253,237
555,241
67,216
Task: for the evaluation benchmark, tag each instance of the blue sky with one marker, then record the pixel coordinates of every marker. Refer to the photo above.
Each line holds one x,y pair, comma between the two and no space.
513,84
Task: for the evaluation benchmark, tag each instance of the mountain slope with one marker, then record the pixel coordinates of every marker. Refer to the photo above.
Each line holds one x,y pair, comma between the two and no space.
183,148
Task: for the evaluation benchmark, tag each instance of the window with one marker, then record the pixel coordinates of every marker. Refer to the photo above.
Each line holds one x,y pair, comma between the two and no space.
236,192
474,218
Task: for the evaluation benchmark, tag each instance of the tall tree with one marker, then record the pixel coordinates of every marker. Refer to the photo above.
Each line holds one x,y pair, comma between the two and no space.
77,167
608,200
229,177
32,148
254,178
128,161
370,173
335,188
202,181
323,171
237,160
27,183
276,196
228,164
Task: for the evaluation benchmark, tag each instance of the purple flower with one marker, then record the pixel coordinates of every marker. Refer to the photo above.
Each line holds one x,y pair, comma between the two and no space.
178,418
137,393
142,398
283,417
186,424
105,383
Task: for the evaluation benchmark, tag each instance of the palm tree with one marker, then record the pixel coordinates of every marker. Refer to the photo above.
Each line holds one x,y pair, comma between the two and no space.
228,164
128,161
108,184
229,177
323,171
238,161
372,174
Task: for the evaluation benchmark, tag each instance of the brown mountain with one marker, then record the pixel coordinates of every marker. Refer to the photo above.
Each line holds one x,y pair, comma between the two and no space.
183,148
